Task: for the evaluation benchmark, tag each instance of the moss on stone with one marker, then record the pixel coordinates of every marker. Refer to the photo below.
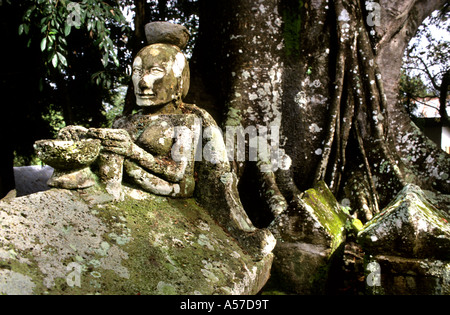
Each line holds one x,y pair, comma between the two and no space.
144,244
311,239
410,226
328,212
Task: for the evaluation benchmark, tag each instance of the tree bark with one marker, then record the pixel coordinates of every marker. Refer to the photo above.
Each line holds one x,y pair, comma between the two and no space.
443,94
428,162
329,80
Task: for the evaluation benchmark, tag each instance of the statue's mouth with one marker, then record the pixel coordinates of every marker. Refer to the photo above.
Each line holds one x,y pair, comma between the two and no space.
146,96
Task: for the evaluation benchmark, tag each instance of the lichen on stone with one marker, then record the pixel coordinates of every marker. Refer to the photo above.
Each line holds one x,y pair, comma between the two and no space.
145,244
410,226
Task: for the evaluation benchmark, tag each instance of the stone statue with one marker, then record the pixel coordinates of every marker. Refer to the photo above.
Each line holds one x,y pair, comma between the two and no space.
142,145
156,149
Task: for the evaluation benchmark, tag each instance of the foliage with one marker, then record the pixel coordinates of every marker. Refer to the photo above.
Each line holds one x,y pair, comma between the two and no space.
412,90
70,57
67,31
55,19
426,59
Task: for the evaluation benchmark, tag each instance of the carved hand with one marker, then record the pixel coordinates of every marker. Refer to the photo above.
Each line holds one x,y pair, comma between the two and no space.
72,133
114,140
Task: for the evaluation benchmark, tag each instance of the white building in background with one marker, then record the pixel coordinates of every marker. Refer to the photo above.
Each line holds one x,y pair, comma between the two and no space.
429,121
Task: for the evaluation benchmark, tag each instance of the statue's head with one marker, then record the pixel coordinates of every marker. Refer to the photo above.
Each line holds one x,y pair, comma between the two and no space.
160,75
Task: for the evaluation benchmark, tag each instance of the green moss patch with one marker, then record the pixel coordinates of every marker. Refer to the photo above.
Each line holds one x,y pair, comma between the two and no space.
143,245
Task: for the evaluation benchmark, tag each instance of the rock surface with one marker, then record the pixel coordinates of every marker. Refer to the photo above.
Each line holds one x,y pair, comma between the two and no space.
410,227
410,276
310,239
409,244
54,242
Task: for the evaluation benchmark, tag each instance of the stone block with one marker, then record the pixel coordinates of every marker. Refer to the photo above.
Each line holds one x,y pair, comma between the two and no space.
310,240
408,276
409,227
54,242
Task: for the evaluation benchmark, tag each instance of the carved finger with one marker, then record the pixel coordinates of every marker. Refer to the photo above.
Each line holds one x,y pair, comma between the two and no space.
69,133
97,133
119,151
119,147
74,135
112,134
113,143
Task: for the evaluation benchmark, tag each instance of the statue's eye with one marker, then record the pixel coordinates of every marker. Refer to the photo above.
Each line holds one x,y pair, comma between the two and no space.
137,71
157,71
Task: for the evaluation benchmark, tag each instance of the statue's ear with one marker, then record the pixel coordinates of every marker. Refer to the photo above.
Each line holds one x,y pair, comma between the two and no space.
185,81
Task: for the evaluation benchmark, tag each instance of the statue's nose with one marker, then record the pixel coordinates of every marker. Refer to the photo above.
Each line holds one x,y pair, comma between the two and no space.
146,82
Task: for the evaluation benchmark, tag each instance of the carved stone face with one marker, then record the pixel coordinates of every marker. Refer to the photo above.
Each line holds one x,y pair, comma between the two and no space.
160,75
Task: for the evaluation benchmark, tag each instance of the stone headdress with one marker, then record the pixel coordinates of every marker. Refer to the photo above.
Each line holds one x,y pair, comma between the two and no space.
167,33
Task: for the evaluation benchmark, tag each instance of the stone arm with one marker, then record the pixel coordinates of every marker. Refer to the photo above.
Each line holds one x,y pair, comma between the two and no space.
172,168
168,169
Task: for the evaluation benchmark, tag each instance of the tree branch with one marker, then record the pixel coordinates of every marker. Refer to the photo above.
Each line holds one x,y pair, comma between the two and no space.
427,72
425,104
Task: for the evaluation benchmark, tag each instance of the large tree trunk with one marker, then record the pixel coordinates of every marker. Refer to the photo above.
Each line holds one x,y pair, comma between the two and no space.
329,80
430,164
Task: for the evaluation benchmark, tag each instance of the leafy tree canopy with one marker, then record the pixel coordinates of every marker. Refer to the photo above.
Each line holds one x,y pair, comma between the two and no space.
426,68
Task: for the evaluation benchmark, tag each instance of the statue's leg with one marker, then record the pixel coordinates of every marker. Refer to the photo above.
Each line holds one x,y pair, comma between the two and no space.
154,184
111,173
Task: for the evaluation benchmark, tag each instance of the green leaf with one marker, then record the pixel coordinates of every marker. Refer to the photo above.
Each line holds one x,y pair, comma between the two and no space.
116,60
55,61
62,59
105,59
29,11
51,39
67,29
43,43
21,28
62,41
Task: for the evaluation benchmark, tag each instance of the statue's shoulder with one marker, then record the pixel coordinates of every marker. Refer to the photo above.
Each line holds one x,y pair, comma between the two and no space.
120,121
123,121
206,117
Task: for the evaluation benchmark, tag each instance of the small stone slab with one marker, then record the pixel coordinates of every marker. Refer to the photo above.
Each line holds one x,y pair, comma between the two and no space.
410,227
